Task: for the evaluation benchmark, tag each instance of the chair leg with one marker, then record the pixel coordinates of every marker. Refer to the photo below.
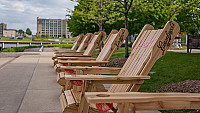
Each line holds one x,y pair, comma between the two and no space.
84,105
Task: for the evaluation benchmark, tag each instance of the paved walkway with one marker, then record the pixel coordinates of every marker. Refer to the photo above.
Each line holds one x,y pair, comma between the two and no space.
185,51
5,60
28,85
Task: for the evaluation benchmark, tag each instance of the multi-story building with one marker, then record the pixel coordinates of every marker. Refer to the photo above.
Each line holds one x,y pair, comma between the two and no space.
53,28
10,33
2,28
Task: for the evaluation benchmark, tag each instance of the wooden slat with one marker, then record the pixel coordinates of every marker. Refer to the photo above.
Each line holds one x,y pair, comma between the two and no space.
74,58
96,41
69,97
135,97
72,55
104,77
93,70
113,44
76,95
85,42
78,41
63,101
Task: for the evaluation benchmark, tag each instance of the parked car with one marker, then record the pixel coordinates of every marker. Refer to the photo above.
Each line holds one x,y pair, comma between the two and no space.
12,38
20,38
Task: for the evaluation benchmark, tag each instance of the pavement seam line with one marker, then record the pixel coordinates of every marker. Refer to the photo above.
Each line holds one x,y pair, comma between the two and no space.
9,62
28,85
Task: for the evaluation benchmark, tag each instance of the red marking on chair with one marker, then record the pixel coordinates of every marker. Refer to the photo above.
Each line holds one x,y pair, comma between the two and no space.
69,71
65,64
76,82
104,107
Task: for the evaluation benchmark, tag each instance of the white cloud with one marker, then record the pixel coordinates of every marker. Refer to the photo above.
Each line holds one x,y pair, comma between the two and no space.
22,14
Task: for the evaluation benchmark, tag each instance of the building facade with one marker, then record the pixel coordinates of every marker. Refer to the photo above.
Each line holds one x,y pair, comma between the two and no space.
2,28
10,33
53,28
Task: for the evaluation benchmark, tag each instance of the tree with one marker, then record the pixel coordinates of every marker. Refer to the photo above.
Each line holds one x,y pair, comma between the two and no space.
28,31
47,35
96,11
123,6
21,32
38,35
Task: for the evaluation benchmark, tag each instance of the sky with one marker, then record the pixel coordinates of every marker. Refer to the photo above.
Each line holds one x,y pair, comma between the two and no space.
22,14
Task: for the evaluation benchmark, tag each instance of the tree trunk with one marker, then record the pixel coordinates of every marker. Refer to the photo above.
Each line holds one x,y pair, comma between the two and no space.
126,41
100,27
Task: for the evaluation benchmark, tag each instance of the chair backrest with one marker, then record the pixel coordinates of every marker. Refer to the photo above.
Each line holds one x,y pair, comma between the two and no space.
95,42
112,44
86,40
148,48
78,41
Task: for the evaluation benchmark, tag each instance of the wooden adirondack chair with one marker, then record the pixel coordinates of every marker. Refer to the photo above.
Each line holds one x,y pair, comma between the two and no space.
150,46
82,46
86,57
86,41
78,41
112,45
95,42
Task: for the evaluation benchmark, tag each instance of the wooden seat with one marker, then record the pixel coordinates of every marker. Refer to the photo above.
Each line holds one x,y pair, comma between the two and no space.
147,49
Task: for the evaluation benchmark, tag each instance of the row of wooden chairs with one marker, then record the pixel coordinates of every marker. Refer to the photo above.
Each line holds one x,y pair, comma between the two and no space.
82,76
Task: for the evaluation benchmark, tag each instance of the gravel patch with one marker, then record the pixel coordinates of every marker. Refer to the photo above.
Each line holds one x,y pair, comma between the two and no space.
117,62
187,86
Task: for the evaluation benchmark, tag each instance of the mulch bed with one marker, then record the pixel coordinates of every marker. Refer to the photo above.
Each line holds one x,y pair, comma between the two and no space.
117,62
187,86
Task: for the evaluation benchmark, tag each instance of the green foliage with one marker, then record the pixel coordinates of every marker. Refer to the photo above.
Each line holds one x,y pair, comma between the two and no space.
28,31
21,32
78,26
38,35
154,12
47,35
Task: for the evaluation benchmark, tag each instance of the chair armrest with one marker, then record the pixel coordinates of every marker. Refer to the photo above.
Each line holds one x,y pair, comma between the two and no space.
76,58
138,97
72,55
93,70
65,52
84,63
105,77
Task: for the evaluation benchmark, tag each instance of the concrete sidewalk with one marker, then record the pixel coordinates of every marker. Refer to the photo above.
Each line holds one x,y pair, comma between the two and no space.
28,85
185,51
43,92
